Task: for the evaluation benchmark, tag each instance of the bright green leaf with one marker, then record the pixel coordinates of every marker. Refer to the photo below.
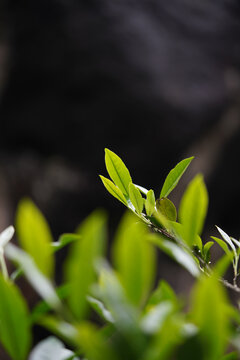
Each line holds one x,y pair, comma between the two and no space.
117,171
64,240
167,208
134,259
174,176
15,332
136,198
150,203
35,236
222,244
113,190
193,209
79,268
163,292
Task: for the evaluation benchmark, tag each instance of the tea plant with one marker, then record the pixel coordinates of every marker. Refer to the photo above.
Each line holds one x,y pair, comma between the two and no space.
114,310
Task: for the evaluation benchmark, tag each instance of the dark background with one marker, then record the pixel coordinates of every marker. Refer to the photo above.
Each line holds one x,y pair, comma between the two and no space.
152,80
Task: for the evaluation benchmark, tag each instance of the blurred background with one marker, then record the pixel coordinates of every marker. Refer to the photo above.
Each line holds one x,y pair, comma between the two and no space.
154,81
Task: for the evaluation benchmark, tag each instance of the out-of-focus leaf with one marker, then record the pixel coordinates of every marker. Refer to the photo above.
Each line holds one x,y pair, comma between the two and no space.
193,209
117,171
177,253
99,307
179,231
64,240
94,344
124,314
35,277
164,343
136,198
174,176
222,244
163,292
153,320
51,349
113,190
66,331
135,259
231,356
206,250
167,208
35,236
15,332
209,313
79,267
150,203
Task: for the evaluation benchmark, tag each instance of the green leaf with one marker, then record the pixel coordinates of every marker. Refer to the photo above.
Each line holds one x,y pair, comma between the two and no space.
193,209
142,189
174,176
206,250
35,236
163,292
150,203
136,198
179,232
223,245
39,282
134,259
117,171
100,308
231,356
227,239
94,344
15,332
79,267
177,253
113,190
167,208
209,312
64,240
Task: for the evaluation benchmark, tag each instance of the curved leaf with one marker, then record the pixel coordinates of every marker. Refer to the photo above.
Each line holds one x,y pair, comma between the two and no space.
114,190
136,198
117,171
167,208
174,176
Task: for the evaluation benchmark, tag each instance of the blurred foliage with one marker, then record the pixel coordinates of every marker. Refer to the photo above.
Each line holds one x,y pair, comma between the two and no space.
137,315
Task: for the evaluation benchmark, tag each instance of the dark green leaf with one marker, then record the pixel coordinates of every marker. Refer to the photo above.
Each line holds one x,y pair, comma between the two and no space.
35,236
174,176
167,208
15,332
117,171
136,198
113,190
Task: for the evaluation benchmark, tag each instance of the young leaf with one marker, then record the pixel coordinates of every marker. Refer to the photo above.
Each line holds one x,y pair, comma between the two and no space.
134,259
206,250
142,189
35,236
113,190
193,209
163,292
174,176
136,198
117,171
15,332
167,208
150,203
79,267
99,307
64,240
227,239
